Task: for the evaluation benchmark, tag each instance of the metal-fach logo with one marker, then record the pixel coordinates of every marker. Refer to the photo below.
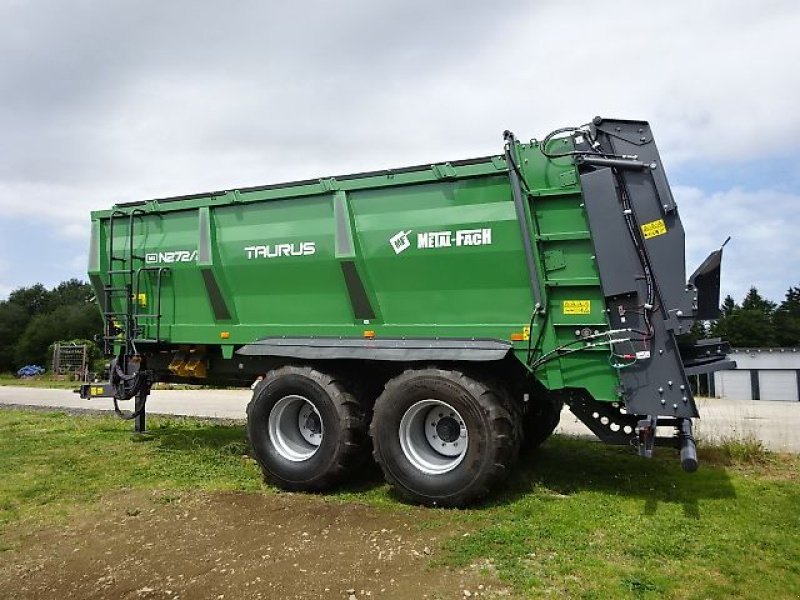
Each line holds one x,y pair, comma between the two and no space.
170,257
442,239
399,241
278,250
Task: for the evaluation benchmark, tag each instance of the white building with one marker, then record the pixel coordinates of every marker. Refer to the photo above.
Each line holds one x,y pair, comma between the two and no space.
760,374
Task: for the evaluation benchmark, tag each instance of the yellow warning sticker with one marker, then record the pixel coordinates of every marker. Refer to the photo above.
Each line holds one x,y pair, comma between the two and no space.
577,307
654,228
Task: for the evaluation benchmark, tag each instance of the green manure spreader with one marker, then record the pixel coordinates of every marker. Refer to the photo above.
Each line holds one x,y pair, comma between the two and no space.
437,317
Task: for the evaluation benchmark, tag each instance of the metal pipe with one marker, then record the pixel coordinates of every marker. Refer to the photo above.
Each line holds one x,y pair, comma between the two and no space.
617,163
161,271
688,447
519,206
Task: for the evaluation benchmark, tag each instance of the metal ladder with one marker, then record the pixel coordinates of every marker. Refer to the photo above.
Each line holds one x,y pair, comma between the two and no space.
123,327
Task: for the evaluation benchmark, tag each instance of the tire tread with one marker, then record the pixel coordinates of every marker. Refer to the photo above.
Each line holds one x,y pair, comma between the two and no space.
350,446
494,401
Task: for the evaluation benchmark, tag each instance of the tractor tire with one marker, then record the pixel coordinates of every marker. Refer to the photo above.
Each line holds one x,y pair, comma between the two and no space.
306,431
540,421
442,438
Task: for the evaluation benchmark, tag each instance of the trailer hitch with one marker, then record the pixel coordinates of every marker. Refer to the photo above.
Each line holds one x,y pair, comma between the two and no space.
646,436
614,425
124,382
683,440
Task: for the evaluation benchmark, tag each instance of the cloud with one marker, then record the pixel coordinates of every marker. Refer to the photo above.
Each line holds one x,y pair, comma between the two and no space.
5,289
763,250
107,102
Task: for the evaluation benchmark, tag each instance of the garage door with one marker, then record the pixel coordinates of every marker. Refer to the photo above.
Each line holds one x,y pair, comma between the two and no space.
734,385
778,385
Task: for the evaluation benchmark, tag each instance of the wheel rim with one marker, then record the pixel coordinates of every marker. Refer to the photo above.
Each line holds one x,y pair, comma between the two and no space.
295,428
433,437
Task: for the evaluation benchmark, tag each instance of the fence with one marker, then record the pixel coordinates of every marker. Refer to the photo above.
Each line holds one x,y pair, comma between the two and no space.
71,360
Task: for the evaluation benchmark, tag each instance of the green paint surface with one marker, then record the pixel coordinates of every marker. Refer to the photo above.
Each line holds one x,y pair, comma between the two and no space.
275,253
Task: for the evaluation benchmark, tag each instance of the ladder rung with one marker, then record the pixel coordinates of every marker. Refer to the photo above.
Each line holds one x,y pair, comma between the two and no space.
126,269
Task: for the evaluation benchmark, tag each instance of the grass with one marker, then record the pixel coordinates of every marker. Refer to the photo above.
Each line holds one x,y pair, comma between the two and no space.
747,450
578,519
44,381
592,522
38,382
51,461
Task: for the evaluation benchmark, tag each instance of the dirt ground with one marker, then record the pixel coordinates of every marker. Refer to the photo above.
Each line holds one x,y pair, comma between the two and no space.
159,545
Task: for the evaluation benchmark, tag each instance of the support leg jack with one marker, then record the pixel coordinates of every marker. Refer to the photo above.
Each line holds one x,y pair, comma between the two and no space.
140,410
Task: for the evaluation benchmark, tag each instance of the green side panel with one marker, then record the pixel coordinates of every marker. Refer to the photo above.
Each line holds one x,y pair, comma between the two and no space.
575,301
435,283
279,257
427,252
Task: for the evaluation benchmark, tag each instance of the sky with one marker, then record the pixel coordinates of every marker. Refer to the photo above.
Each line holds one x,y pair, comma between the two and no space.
111,101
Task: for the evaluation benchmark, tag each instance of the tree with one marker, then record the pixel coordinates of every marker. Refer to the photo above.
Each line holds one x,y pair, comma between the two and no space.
749,325
15,314
754,301
786,319
66,293
728,306
64,323
13,319
34,317
32,299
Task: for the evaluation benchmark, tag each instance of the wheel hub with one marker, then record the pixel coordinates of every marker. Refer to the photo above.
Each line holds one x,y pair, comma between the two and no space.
313,424
309,424
447,429
295,428
433,436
